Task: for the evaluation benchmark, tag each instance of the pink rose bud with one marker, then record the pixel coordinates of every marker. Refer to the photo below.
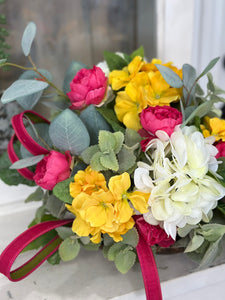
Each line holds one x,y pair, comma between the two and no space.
53,168
88,87
221,149
164,118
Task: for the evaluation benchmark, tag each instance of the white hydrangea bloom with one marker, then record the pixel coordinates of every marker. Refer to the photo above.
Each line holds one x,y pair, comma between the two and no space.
176,176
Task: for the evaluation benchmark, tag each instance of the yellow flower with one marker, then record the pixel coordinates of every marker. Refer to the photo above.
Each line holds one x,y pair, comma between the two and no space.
215,127
119,185
120,78
159,92
130,103
121,230
87,181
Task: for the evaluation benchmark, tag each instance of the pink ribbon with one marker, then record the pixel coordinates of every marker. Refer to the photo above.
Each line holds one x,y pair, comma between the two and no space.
14,249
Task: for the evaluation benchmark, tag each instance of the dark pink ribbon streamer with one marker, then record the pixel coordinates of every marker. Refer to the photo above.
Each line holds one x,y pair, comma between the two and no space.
13,250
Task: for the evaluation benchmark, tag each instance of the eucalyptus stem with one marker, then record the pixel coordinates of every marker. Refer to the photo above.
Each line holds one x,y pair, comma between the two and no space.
18,66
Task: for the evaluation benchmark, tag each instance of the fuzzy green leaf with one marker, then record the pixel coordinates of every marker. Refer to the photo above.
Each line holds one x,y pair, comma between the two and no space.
115,249
88,153
131,237
211,253
36,196
110,141
107,240
109,161
68,132
62,190
40,212
182,232
126,159
212,232
170,76
125,260
64,232
69,249
55,206
91,246
114,61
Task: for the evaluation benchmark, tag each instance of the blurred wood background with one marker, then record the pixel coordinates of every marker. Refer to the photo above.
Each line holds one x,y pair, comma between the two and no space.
75,30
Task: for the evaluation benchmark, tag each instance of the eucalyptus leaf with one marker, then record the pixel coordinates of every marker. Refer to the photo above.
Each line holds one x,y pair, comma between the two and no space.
21,88
194,243
71,72
211,254
68,132
208,67
210,85
39,132
189,80
69,249
26,162
94,122
170,76
28,37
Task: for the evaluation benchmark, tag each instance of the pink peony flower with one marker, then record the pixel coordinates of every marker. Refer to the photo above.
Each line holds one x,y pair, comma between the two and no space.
164,118
153,234
221,149
53,168
88,87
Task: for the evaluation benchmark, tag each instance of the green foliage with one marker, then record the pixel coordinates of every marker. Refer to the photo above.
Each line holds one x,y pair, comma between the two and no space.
110,141
138,52
114,61
38,195
62,192
21,88
114,250
111,118
69,249
70,73
54,259
210,65
55,206
11,177
64,232
68,132
170,76
28,37
90,246
131,237
26,162
3,35
189,80
125,260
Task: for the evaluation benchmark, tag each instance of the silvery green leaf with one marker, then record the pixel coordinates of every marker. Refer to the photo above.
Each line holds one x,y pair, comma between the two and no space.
189,110
109,161
27,162
189,80
55,206
69,249
126,159
170,76
194,243
199,91
94,122
212,232
125,260
71,72
68,132
39,132
182,232
96,163
211,253
35,196
21,88
131,237
208,67
28,37
88,153
110,141
210,84
64,232
132,137
114,250
30,74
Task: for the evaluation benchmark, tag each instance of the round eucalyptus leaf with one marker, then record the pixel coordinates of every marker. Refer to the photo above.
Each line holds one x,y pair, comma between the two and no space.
28,37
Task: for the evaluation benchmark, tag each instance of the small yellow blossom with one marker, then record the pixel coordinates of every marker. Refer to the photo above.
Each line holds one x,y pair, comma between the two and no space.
215,127
131,102
120,78
87,181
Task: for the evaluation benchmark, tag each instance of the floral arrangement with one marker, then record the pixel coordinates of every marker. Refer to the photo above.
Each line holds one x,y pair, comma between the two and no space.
133,149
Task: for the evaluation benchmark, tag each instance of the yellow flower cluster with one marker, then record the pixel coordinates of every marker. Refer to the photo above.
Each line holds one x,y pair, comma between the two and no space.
144,86
215,127
99,209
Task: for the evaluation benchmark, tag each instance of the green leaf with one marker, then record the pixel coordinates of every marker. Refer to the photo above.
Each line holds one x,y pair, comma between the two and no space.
194,243
182,232
114,250
211,253
189,80
28,37
94,122
110,141
199,91
132,137
114,61
107,240
35,196
210,85
189,110
96,163
12,177
131,237
212,232
91,246
111,118
71,72
69,249
109,161
62,190
85,240
138,52
88,153
170,76
2,61
40,212
68,132
208,67
27,162
54,259
55,206
21,88
125,260
200,111
64,232
126,159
